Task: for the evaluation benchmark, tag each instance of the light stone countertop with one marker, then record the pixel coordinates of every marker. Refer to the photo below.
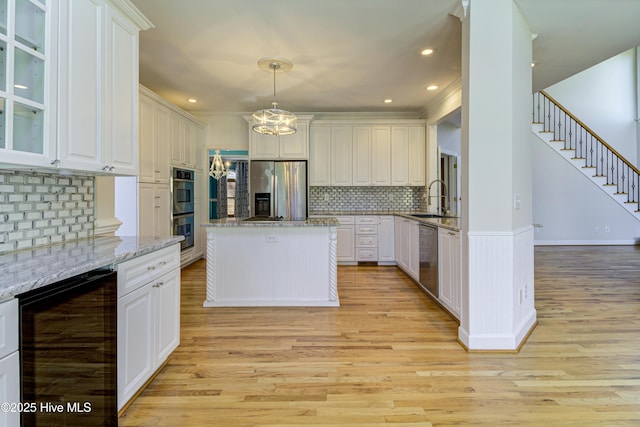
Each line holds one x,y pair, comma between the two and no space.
450,223
325,221
29,269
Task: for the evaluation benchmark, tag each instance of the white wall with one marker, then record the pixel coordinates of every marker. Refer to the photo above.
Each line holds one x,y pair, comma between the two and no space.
603,97
450,138
571,208
225,132
565,203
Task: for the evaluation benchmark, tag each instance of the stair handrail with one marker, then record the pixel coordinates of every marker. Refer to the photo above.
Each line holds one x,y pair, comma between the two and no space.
588,129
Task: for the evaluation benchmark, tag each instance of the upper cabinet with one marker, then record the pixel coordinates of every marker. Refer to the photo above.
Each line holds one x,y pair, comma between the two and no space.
98,87
28,43
81,63
270,147
367,155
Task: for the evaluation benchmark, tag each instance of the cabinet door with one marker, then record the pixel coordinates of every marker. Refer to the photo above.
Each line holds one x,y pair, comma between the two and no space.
346,243
445,289
162,210
136,329
413,260
146,209
177,140
362,155
81,85
120,143
399,155
10,388
167,306
386,239
189,142
295,146
416,157
401,242
263,147
162,164
147,139
341,156
320,156
381,156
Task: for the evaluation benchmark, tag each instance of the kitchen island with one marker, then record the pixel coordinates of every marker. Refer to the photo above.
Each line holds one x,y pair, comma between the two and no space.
272,263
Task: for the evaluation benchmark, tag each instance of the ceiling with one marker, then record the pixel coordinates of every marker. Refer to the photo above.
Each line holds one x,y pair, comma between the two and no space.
349,56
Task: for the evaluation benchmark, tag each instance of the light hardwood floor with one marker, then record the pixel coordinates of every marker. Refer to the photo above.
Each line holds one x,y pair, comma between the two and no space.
389,356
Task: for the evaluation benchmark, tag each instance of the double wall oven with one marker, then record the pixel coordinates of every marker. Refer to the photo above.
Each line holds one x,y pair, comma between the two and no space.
183,205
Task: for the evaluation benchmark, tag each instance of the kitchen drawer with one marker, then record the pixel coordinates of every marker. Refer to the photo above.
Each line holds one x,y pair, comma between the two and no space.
345,219
366,228
367,254
139,271
367,219
367,241
8,327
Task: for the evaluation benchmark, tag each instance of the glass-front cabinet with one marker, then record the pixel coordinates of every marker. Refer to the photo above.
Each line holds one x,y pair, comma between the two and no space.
26,135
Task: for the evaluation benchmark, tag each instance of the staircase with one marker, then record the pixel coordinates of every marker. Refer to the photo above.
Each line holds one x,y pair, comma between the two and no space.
581,147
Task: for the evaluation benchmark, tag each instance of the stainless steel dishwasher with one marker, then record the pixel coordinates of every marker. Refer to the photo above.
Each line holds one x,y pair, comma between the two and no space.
428,240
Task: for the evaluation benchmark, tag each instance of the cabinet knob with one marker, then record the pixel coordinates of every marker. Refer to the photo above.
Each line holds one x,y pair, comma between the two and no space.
55,163
112,169
151,268
106,168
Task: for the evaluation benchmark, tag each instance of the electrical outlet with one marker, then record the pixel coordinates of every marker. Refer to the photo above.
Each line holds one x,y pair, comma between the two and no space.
521,295
607,229
326,197
271,238
597,229
390,197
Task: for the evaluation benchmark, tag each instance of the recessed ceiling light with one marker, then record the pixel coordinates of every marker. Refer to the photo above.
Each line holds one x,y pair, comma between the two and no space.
388,101
432,87
533,64
192,100
426,52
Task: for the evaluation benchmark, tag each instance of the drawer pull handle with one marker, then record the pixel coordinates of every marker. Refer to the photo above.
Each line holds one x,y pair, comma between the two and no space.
157,285
163,263
151,268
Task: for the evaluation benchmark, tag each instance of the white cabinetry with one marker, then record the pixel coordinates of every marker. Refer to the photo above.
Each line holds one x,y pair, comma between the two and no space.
270,147
386,242
407,246
341,156
362,155
449,252
357,153
28,54
408,155
380,156
9,361
154,216
346,239
148,317
154,139
186,139
367,238
98,88
320,156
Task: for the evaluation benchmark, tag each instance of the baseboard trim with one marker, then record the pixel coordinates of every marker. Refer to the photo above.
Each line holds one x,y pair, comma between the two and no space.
586,242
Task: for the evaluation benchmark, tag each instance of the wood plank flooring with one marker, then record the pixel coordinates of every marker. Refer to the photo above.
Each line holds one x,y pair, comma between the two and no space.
388,356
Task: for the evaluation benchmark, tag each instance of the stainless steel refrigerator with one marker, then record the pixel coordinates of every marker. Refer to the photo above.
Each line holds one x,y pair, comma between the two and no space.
278,189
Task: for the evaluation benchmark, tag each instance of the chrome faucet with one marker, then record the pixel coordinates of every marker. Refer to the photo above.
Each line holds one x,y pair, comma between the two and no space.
443,208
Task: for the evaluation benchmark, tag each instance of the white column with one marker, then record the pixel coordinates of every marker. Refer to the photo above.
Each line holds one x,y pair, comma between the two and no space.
498,295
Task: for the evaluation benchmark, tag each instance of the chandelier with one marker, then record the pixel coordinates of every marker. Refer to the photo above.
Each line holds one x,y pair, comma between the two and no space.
217,169
274,121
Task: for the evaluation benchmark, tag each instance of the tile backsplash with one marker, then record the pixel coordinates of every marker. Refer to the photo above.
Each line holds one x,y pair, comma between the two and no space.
366,198
38,209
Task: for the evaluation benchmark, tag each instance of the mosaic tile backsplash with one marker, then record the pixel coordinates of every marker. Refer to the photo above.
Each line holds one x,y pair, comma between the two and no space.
366,198
39,209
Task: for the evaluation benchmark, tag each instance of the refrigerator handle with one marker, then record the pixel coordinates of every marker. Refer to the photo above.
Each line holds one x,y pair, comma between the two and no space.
274,192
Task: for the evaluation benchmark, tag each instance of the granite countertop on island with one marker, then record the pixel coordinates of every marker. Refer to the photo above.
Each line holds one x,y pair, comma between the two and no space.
325,221
29,269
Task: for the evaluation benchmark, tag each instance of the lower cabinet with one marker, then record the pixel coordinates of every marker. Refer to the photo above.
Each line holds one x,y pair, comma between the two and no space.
9,361
386,242
346,239
148,317
449,252
407,246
